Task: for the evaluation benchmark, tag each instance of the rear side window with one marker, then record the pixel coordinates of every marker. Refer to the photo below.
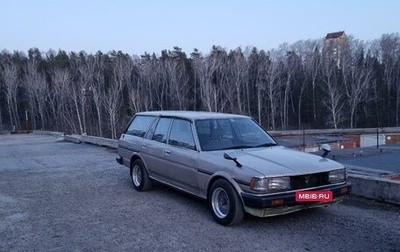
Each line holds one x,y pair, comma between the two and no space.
161,131
181,134
140,125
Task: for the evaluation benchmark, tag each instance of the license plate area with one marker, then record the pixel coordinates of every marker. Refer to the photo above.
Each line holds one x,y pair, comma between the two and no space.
314,196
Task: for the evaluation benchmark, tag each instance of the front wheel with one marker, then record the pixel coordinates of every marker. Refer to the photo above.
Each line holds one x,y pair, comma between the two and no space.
140,177
225,204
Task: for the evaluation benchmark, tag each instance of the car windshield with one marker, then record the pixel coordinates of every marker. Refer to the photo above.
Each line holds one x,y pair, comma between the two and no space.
231,133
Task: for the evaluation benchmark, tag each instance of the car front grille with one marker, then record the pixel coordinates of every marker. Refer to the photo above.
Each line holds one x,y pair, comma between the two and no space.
309,180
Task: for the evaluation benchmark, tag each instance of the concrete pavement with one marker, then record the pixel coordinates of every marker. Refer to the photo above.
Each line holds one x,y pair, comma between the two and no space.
62,196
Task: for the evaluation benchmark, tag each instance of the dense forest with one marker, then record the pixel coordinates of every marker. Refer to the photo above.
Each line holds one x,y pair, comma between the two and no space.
323,83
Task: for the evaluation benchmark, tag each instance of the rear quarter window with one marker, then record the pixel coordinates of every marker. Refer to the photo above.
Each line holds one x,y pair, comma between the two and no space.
140,125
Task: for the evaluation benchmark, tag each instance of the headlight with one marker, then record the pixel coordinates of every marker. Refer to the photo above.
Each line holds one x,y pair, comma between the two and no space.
337,176
270,184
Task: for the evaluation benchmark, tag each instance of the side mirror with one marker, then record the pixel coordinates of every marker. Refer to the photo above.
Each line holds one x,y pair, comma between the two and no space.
326,148
229,157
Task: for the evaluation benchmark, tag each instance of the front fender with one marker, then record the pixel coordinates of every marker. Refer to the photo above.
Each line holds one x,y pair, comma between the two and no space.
226,176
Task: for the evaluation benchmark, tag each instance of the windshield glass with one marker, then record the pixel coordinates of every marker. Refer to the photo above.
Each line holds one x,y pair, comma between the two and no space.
231,133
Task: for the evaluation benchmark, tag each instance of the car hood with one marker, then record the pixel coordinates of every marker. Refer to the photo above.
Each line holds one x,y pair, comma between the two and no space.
280,161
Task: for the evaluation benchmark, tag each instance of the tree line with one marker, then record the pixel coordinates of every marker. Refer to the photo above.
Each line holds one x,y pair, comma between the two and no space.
321,83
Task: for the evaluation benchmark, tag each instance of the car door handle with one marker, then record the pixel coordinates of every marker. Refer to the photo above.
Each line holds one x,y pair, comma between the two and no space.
144,146
167,152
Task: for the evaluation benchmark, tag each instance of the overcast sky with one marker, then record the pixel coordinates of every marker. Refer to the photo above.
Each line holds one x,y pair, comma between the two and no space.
136,27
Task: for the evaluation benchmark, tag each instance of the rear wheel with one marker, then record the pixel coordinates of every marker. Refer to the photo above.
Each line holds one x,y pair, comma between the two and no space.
140,177
225,204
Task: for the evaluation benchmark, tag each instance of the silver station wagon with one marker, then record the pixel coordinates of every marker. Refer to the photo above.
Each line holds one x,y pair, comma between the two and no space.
230,161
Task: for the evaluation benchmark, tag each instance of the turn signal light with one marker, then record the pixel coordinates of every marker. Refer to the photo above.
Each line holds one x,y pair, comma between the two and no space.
277,202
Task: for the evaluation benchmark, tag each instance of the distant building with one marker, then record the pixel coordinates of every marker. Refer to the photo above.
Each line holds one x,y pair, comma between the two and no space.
335,42
335,35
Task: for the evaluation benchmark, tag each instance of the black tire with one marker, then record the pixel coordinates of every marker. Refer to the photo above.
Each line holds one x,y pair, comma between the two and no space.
225,204
140,177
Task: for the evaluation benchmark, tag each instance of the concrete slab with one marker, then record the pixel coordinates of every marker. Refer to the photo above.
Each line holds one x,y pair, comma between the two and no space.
377,188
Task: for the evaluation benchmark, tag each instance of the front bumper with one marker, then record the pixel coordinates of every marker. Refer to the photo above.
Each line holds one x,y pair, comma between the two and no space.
263,205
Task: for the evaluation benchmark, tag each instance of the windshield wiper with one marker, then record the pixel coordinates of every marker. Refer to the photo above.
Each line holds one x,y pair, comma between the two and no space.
254,146
241,147
244,147
266,145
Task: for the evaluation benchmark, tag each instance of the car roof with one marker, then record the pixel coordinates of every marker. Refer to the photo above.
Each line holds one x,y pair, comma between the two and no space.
192,115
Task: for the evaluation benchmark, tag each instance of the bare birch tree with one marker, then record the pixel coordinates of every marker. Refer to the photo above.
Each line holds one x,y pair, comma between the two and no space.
215,80
122,71
98,89
77,90
238,71
301,53
357,77
334,102
37,87
142,98
257,70
274,72
203,73
10,77
179,83
61,99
